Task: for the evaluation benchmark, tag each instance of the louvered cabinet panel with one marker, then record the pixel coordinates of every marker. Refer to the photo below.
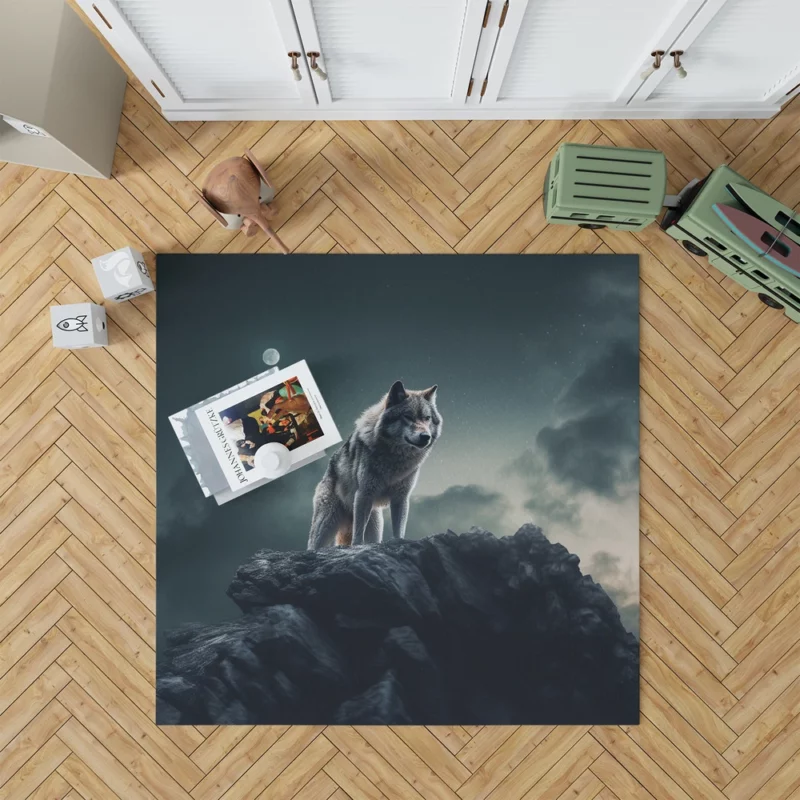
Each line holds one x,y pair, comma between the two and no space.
385,51
207,53
584,50
437,59
748,51
213,49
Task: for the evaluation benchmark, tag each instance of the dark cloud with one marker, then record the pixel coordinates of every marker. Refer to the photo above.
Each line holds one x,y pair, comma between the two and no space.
621,586
595,447
548,501
612,283
182,505
613,378
458,509
593,451
191,526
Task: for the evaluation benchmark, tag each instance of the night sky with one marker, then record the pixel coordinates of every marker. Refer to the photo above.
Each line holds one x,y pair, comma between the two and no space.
536,358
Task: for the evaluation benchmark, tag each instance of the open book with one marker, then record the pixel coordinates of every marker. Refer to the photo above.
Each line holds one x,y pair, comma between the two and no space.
284,407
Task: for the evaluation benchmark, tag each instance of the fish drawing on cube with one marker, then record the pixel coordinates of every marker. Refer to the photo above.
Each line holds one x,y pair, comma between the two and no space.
78,325
122,275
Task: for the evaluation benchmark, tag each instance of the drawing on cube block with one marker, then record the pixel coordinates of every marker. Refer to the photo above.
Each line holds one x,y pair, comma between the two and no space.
74,324
78,325
123,274
24,127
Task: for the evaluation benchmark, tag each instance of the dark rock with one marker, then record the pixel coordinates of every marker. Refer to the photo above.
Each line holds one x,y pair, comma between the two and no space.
452,629
374,706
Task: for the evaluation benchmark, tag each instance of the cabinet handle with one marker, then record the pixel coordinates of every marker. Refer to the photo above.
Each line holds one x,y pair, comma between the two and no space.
503,15
100,14
657,56
323,76
295,67
676,60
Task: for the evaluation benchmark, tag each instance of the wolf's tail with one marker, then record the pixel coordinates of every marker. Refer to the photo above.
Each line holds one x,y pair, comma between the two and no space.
327,517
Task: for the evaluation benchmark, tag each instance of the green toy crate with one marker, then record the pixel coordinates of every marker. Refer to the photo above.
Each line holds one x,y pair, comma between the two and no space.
702,232
598,187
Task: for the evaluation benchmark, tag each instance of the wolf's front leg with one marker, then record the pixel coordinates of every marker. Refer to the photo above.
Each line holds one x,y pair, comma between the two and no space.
362,508
399,508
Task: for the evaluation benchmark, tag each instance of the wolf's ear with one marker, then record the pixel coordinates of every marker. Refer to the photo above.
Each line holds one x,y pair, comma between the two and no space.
430,394
396,394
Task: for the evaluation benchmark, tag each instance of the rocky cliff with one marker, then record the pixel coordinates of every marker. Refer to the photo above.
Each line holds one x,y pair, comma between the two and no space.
452,629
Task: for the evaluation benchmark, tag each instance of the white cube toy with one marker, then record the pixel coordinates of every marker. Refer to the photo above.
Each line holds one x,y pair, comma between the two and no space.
122,274
78,325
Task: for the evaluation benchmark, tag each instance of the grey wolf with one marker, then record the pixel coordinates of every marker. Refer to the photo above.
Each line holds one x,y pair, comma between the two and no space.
377,466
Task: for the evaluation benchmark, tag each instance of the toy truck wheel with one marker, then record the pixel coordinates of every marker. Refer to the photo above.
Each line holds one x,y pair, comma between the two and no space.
769,301
592,226
693,248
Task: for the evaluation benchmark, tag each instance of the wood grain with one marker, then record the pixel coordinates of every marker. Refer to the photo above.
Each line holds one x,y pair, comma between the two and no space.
720,508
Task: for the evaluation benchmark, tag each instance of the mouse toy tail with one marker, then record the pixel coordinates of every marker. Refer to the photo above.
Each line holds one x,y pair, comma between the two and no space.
262,223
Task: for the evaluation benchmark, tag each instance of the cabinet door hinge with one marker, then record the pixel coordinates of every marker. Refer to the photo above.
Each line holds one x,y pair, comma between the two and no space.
503,15
486,13
469,88
483,88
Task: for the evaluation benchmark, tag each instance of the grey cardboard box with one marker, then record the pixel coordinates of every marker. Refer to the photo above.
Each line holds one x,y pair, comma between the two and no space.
122,274
79,325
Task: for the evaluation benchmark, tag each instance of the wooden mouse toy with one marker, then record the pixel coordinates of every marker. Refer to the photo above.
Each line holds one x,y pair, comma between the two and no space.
233,188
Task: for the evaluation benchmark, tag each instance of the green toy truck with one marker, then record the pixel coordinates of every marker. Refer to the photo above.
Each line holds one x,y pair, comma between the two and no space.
695,224
592,186
605,187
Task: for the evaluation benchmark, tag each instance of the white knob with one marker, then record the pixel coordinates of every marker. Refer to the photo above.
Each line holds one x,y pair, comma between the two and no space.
657,56
648,72
313,55
676,56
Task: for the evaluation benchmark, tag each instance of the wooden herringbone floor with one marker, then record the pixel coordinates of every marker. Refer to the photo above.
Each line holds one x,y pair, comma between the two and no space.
720,505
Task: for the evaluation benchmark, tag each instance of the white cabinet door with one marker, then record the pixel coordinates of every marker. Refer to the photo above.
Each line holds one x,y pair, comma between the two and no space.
563,54
734,51
431,59
208,54
389,54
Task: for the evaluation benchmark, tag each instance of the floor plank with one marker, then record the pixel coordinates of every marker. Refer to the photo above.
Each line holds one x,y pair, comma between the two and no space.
720,508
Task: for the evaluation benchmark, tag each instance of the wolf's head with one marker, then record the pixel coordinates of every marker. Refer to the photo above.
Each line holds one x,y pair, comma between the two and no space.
410,417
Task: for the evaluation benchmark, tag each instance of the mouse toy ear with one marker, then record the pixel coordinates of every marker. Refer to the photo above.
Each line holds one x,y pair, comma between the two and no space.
248,154
213,211
430,394
396,394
